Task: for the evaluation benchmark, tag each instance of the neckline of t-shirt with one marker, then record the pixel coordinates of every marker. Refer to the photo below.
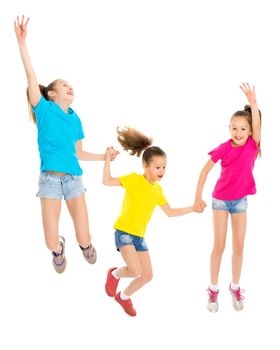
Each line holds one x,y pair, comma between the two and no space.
150,184
69,110
237,147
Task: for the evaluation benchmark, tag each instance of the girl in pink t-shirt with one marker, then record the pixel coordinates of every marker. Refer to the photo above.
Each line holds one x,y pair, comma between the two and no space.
236,181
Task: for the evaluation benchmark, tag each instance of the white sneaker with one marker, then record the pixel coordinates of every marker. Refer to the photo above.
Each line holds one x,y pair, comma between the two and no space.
237,298
212,305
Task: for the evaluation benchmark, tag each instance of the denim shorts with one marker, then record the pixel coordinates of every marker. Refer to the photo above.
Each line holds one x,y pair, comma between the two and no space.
234,207
123,238
57,187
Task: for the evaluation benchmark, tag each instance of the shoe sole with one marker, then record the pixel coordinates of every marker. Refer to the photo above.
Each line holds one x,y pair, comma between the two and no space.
212,311
124,308
91,261
63,267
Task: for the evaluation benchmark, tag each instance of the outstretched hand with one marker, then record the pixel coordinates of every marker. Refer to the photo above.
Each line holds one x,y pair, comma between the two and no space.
249,93
111,153
21,28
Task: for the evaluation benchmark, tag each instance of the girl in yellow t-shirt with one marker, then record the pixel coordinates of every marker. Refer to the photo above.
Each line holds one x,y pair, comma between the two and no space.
142,195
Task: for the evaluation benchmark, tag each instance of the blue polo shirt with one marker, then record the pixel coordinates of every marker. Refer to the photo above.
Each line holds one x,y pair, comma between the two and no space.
58,133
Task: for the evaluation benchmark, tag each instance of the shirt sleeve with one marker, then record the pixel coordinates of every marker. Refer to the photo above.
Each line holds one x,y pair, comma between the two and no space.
162,199
128,180
253,143
40,109
80,131
217,153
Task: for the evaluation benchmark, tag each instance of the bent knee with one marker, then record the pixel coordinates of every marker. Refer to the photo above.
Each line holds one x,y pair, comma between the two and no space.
147,277
135,271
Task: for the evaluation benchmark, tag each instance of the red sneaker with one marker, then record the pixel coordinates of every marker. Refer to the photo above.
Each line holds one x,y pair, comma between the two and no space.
111,283
126,304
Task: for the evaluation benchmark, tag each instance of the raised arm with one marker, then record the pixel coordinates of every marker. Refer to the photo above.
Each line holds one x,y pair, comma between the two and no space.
199,204
107,178
256,120
33,87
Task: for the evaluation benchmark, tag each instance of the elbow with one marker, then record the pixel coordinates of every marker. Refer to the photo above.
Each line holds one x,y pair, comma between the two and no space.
79,155
106,181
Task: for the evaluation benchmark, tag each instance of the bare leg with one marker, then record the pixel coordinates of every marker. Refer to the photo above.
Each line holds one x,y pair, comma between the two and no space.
238,222
220,218
78,210
50,215
138,265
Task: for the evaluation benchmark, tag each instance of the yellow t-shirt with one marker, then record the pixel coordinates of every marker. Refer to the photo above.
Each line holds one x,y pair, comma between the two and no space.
139,202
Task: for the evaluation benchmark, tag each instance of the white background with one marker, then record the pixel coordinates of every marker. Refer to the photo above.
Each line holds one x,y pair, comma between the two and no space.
172,69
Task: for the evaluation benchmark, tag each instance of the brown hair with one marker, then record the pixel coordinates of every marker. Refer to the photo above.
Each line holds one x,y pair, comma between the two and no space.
247,114
134,141
44,91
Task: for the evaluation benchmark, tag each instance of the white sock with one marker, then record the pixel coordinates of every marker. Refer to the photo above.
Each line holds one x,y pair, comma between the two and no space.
115,274
214,287
234,286
124,296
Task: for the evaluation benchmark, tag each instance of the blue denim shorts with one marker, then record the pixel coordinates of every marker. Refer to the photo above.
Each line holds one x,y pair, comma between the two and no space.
57,187
234,207
123,238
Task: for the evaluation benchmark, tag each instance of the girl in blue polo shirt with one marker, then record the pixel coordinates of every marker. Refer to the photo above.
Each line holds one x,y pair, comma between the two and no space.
60,135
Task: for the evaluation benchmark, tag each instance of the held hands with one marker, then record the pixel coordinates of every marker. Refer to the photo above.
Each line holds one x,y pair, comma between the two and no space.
111,153
249,93
199,206
21,28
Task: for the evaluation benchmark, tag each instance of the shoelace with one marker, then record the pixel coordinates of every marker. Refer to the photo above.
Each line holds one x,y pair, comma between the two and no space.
237,294
213,295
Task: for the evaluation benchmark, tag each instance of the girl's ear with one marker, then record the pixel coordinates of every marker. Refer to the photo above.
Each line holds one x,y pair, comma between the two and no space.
51,93
145,165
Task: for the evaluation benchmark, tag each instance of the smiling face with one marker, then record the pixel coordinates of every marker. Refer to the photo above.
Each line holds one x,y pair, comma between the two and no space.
62,92
240,130
155,170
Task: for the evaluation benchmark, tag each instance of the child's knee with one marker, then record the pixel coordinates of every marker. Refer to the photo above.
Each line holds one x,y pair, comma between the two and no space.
147,277
135,271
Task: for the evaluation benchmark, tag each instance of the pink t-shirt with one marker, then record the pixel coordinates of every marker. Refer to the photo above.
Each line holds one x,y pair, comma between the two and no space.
236,180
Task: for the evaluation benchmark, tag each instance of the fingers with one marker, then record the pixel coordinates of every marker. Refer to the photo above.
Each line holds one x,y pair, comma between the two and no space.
21,24
246,88
111,153
26,21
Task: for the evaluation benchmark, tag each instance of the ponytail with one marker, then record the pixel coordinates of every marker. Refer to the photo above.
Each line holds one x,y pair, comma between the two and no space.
134,141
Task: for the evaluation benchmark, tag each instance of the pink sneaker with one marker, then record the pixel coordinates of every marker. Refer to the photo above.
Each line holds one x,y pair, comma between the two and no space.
213,300
237,298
